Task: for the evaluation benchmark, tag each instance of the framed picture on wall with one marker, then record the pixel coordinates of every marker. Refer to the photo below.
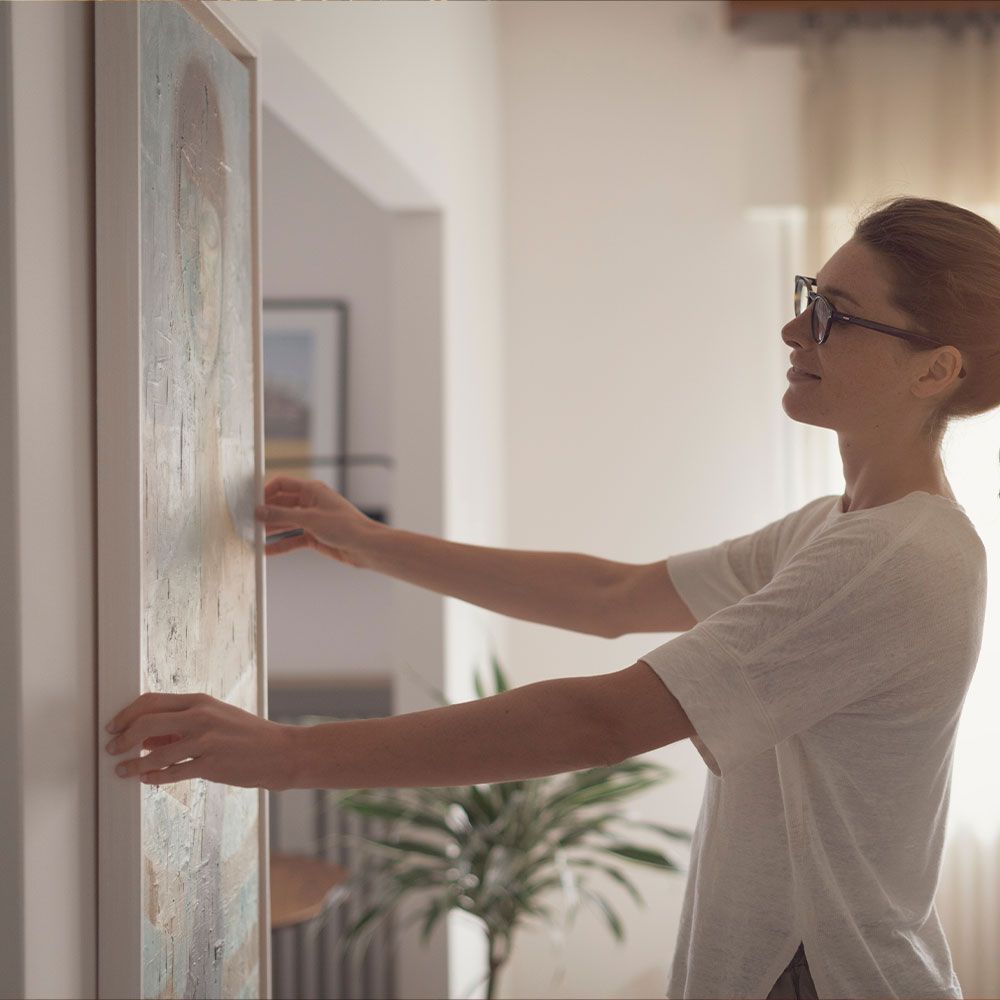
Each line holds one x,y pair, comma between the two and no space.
306,342
183,866
305,389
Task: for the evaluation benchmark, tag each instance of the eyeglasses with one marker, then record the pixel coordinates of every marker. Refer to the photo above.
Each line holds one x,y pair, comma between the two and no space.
824,316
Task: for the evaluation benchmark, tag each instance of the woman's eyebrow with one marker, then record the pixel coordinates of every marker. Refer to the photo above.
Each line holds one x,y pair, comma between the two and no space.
839,293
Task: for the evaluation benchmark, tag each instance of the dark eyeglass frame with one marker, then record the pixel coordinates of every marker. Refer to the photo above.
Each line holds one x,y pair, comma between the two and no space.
821,336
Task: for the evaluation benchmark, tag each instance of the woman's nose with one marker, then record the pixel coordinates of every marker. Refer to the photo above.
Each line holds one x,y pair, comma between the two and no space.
797,331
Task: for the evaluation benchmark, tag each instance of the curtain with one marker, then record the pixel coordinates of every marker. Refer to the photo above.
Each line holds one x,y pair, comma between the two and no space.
909,105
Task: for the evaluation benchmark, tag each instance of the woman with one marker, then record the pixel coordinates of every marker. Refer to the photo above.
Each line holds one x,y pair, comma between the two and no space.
822,670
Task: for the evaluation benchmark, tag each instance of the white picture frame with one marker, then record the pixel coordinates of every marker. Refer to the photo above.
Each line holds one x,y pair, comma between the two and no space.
119,249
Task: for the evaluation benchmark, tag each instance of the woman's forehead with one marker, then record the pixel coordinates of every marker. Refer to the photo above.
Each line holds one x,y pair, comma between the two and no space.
854,275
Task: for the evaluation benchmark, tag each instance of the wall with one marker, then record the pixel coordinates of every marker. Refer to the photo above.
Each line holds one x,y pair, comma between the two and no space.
324,236
321,236
47,468
645,367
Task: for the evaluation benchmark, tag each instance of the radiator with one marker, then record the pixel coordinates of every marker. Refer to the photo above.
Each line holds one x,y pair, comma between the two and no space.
305,963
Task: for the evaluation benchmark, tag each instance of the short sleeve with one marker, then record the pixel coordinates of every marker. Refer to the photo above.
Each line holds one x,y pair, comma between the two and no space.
717,576
835,625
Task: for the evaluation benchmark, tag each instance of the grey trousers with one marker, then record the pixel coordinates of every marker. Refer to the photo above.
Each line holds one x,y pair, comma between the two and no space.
795,983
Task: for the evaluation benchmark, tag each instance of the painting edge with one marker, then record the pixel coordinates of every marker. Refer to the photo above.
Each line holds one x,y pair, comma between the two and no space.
119,523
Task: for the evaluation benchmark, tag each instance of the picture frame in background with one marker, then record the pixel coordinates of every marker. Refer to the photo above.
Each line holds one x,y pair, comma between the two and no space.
305,389
183,890
306,346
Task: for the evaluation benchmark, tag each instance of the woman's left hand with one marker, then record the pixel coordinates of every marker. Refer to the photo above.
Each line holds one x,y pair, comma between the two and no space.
197,736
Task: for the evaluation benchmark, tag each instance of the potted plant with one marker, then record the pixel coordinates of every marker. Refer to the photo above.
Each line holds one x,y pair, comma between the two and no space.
494,849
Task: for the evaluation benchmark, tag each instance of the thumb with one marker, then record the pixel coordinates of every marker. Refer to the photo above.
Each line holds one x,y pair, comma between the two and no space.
300,516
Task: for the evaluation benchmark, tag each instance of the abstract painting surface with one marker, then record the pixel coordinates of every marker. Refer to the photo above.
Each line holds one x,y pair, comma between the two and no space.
199,838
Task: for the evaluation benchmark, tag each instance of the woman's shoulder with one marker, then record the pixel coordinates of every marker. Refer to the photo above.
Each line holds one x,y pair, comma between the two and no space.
925,533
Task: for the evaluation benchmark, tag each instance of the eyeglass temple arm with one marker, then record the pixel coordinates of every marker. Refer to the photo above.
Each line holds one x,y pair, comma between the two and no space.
892,331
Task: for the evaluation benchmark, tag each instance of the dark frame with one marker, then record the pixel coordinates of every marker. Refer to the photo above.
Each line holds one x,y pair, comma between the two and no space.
835,314
341,307
343,458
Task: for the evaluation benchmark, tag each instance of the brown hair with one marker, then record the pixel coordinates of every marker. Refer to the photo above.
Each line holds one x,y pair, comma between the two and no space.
944,269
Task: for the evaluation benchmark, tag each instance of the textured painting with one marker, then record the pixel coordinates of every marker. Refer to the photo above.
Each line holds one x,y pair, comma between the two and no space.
199,629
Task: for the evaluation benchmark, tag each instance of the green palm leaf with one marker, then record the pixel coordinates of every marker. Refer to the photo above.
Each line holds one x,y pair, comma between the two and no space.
434,912
609,791
612,917
597,777
667,831
354,935
618,876
485,805
407,846
537,887
641,855
382,808
478,685
498,675
580,830
529,905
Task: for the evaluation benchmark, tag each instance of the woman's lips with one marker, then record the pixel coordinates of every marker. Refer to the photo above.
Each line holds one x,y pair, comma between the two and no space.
796,376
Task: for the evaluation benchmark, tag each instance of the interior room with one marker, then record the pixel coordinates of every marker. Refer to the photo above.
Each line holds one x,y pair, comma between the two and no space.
518,276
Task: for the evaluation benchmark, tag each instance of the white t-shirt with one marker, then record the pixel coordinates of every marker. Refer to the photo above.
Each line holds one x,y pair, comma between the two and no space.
824,679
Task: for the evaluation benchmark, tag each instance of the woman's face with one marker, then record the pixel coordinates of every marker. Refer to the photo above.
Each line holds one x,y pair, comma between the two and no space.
865,377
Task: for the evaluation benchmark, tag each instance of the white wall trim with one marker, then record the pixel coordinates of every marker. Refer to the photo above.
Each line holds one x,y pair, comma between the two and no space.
327,125
11,746
119,522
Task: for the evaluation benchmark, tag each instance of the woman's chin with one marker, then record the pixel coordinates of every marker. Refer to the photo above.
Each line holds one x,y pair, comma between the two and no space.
797,412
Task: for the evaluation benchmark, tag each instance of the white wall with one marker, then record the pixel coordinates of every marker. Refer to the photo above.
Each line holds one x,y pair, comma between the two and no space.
322,237
644,362
48,615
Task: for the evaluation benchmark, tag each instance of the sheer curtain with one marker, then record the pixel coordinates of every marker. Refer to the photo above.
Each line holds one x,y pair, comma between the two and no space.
898,105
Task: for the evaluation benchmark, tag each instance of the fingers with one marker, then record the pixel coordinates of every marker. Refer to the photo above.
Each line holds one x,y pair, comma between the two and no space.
280,505
286,545
283,484
151,702
175,753
179,724
275,515
279,516
290,492
152,742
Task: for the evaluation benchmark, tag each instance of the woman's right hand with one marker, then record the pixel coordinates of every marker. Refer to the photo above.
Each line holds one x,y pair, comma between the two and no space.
332,525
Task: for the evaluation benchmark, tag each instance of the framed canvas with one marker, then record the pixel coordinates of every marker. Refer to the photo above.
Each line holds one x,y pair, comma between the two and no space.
182,867
305,389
